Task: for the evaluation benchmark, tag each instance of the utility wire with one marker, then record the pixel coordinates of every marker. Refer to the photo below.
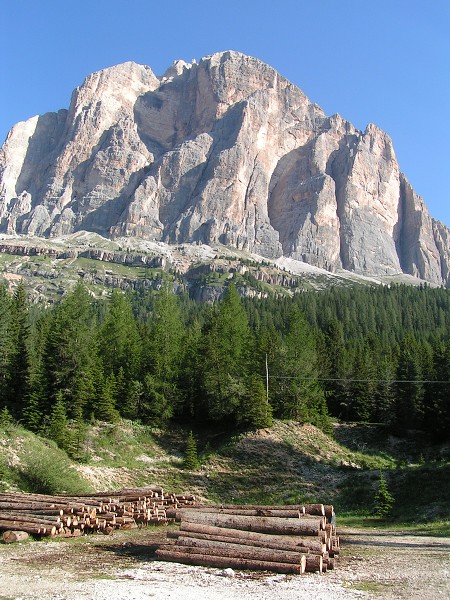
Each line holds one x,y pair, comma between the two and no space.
349,380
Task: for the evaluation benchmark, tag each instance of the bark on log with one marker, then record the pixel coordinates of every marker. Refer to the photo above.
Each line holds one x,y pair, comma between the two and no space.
18,509
274,525
223,562
314,563
315,509
9,537
263,544
30,519
251,512
32,528
329,513
292,558
240,551
299,507
287,541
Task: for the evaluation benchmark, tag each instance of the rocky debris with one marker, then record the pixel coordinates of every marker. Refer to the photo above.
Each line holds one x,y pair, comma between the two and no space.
224,151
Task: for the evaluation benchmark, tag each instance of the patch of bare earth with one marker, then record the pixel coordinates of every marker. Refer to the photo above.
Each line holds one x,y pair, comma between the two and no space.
373,564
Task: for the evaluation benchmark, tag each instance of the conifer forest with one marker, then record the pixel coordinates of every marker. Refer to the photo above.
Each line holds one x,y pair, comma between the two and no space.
365,354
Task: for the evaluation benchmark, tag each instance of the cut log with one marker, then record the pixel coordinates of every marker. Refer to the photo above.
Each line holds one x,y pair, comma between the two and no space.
329,513
315,509
51,521
274,525
223,562
314,563
286,541
32,528
240,551
269,545
251,512
18,509
299,507
9,537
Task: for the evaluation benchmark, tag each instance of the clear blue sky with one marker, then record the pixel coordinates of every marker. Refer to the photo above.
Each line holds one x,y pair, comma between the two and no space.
380,61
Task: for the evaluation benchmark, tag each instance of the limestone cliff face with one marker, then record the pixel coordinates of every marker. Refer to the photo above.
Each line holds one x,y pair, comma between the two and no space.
224,151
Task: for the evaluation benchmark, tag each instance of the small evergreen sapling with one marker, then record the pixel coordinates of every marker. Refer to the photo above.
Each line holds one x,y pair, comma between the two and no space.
384,500
190,454
5,417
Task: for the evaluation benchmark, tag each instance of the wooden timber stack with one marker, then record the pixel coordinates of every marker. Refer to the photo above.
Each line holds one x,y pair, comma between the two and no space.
71,516
283,539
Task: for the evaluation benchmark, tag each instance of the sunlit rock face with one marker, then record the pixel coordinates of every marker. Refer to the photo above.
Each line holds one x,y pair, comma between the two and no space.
224,151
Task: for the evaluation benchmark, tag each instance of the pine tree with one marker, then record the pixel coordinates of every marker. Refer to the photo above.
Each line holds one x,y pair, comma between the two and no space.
37,402
410,390
131,406
383,411
299,394
362,386
119,340
255,411
5,417
225,355
57,429
164,347
5,347
437,397
156,403
70,353
190,454
336,369
383,500
19,359
105,407
190,385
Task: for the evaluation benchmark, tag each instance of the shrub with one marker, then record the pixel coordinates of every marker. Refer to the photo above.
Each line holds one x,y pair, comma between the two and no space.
190,453
52,473
384,501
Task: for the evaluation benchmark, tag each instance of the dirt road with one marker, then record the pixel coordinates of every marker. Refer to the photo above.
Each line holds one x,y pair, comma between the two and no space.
373,564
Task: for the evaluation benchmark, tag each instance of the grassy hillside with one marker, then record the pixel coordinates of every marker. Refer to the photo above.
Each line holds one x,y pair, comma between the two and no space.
288,463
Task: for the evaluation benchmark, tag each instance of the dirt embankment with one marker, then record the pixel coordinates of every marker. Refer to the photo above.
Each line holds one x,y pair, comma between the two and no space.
374,564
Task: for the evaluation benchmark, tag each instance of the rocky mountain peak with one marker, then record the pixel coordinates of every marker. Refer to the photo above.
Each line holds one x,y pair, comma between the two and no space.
224,151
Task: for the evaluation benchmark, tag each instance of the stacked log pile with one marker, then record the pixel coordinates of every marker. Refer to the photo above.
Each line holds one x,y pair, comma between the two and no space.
71,516
283,539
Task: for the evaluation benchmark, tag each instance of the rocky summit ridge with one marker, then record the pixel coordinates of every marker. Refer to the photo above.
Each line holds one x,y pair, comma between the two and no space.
226,151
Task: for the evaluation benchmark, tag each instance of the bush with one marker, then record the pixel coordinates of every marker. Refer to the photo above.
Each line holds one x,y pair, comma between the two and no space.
52,473
384,501
4,475
190,453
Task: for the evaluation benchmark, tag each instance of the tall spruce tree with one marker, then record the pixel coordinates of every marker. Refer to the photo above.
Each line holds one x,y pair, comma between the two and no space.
19,360
255,410
119,340
225,357
70,352
6,345
57,428
299,394
335,369
410,388
164,346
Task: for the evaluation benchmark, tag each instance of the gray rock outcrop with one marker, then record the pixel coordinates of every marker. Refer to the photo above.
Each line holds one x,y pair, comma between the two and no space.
224,151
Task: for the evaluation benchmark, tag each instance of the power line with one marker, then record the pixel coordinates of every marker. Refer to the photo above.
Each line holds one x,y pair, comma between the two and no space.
349,380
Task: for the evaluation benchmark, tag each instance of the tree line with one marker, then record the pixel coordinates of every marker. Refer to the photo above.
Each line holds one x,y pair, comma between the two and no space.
362,354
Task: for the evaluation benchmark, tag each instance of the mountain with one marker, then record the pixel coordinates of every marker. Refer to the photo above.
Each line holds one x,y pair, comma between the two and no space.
226,151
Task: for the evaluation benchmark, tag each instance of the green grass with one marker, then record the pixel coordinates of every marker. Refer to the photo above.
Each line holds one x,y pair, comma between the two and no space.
374,587
34,464
360,520
288,464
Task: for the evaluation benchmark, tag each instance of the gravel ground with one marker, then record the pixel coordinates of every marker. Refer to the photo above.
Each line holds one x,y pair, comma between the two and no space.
373,564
